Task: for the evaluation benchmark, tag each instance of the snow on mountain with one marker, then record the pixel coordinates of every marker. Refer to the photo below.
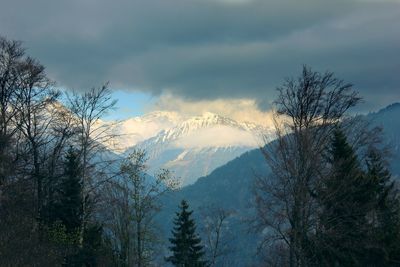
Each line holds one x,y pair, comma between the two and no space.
134,130
198,145
209,130
230,188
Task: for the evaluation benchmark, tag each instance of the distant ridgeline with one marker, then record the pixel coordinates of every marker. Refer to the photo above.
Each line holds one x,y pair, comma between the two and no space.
230,187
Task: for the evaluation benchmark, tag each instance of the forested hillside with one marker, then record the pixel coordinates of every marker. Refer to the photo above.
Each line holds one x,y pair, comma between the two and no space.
231,187
323,193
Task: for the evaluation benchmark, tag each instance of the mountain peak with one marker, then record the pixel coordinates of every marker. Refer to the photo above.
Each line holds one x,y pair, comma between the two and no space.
162,115
208,114
197,145
206,120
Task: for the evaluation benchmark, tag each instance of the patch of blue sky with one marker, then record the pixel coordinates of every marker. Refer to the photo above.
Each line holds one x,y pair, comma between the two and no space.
130,104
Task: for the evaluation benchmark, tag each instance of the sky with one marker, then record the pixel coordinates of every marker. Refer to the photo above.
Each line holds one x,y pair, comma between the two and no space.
214,55
130,104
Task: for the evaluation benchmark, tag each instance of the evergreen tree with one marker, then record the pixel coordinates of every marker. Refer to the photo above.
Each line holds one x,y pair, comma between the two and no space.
69,214
385,218
359,217
69,206
186,245
345,200
66,212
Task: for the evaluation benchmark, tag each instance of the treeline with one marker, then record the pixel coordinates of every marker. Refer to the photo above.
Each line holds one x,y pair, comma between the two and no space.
330,199
65,200
50,178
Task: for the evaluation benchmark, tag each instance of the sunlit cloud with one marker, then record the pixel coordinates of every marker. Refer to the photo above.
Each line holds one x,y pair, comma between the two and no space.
241,110
203,50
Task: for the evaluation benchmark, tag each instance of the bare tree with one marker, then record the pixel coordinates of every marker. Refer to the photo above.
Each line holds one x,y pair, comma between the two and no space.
25,135
119,222
35,129
218,237
88,108
62,132
11,55
33,95
134,197
307,110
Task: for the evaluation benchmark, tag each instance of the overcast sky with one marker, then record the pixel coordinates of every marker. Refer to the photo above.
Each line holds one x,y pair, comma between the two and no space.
200,51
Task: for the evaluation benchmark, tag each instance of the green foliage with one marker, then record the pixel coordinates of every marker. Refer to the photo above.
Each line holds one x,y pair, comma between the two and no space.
69,205
92,247
344,204
385,218
43,216
186,245
359,211
58,233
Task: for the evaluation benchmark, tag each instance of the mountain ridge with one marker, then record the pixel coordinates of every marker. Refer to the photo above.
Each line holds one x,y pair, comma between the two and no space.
197,145
230,187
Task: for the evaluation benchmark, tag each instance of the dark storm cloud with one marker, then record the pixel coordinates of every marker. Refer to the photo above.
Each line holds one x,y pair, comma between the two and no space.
205,49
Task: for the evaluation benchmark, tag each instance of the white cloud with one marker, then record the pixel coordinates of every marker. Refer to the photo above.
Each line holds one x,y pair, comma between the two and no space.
218,136
238,109
134,130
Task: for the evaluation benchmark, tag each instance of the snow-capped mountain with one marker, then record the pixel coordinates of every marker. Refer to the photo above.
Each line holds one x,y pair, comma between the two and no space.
196,146
134,130
230,188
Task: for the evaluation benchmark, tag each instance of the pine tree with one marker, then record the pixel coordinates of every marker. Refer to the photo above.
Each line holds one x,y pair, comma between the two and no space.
69,213
359,217
186,245
65,213
386,215
69,206
345,200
